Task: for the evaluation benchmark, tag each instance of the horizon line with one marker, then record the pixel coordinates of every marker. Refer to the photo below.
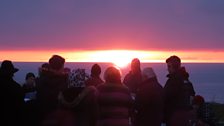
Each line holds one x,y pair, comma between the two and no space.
112,62
114,55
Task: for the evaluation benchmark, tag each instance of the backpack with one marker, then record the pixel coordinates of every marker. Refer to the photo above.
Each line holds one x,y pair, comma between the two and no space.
189,92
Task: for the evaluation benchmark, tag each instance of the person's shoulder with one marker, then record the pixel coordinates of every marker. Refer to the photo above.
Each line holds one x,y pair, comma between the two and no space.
101,86
16,84
123,86
127,77
175,78
91,88
88,81
188,82
128,74
24,85
159,85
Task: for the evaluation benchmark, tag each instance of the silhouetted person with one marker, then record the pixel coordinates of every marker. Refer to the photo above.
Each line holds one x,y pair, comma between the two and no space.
132,80
114,99
80,100
51,82
176,99
29,86
12,103
149,100
134,77
95,79
204,111
43,67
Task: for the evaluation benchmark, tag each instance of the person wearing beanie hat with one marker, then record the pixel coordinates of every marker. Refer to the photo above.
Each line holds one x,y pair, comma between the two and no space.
79,98
149,100
78,78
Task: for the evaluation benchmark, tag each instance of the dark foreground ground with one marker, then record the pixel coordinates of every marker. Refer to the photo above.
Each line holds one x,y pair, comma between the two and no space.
219,112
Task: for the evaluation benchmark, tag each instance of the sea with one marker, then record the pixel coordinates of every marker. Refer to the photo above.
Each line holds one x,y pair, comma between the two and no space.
207,78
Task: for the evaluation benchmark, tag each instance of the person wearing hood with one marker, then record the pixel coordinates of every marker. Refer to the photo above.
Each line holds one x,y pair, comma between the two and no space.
176,91
149,100
12,102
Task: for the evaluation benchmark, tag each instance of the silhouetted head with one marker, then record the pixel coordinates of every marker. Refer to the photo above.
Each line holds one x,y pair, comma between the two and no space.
173,64
29,75
30,78
7,68
45,66
67,70
148,73
135,65
56,62
112,75
95,70
198,100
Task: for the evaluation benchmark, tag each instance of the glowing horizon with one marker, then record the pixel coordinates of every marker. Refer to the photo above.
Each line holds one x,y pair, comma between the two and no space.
114,56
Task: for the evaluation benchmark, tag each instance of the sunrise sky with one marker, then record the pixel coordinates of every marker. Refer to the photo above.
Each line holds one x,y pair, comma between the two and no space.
112,30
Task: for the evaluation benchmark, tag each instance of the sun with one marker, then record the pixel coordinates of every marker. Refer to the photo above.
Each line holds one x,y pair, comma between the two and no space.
121,63
120,58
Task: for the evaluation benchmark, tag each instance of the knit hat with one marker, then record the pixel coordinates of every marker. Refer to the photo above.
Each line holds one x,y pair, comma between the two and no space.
148,73
77,78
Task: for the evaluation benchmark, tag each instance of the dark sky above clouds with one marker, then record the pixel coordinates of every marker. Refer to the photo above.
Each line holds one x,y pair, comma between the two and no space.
112,24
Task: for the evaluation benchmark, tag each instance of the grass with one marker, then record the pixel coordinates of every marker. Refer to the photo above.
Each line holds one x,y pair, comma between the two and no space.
219,112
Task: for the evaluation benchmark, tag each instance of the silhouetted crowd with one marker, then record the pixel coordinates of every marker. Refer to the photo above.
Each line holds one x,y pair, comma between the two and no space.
59,96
